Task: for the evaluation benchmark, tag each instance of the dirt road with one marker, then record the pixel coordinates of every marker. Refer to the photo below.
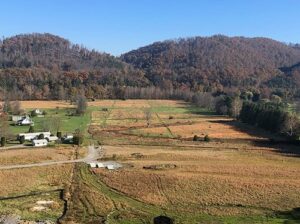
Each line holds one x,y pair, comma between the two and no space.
93,154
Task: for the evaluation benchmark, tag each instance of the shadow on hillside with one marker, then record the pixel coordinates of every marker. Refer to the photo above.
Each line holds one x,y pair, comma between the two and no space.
262,138
195,110
292,216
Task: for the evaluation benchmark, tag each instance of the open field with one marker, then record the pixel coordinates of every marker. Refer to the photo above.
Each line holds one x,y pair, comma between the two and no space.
67,123
21,189
37,155
237,177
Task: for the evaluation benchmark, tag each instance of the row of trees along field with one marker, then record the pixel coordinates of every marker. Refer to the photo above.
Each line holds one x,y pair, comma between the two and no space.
271,116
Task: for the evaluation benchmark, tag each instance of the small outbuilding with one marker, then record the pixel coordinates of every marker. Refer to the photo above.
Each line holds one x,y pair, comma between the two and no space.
38,112
111,167
16,118
100,165
39,142
93,165
52,138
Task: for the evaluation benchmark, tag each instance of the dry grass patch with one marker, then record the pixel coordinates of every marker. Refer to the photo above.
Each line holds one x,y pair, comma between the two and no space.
20,181
36,155
213,129
45,104
225,182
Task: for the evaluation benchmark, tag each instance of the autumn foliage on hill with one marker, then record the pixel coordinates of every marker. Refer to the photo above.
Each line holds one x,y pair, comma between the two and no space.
45,66
214,62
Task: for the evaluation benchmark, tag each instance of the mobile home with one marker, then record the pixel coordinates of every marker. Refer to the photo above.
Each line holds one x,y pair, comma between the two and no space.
31,136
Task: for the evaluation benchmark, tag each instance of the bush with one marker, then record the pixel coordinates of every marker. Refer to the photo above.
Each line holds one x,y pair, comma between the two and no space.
22,139
41,136
78,139
44,113
196,138
171,117
59,134
31,129
3,141
206,138
33,113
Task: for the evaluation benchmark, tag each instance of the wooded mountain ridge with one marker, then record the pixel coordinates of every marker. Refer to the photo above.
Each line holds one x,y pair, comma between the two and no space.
45,66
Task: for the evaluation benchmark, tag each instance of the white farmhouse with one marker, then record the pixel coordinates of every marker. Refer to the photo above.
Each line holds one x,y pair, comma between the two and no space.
25,121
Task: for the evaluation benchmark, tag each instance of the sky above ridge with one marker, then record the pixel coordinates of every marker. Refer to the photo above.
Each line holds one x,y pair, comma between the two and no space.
118,26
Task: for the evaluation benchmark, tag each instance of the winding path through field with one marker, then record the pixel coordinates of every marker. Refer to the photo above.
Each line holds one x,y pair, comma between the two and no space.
94,153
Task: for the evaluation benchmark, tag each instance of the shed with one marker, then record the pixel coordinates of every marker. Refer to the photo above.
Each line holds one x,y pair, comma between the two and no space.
16,118
51,138
39,142
111,167
93,165
37,111
100,165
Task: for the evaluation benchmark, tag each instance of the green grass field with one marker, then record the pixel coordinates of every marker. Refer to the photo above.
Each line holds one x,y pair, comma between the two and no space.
69,123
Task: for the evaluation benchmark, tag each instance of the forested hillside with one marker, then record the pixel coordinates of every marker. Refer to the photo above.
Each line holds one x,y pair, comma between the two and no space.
44,66
216,62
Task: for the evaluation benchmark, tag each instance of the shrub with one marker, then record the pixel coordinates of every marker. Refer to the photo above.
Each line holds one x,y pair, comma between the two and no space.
59,134
31,129
33,113
171,117
196,138
44,113
3,141
78,139
206,138
22,139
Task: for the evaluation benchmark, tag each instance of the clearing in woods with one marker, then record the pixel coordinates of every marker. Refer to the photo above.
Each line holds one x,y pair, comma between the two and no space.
237,177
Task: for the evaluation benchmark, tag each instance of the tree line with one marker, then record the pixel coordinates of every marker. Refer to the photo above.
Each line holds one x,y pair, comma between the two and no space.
272,117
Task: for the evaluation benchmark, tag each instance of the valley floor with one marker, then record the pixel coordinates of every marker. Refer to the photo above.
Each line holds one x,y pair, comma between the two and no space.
236,177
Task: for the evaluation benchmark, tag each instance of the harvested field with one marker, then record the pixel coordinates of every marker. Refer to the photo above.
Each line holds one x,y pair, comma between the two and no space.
24,187
36,155
205,180
45,104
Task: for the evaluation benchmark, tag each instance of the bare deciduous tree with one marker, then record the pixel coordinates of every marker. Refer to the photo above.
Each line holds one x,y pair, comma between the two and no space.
16,108
56,123
148,116
4,126
45,124
291,124
81,105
